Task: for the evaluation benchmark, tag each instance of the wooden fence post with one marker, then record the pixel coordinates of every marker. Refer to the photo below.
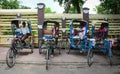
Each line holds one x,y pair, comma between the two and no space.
41,7
86,15
63,27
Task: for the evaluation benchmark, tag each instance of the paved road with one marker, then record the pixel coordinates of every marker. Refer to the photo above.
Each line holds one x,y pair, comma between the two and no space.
25,56
74,63
61,69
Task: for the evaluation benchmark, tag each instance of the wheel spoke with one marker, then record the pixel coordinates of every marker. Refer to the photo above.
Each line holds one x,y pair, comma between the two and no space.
90,57
10,58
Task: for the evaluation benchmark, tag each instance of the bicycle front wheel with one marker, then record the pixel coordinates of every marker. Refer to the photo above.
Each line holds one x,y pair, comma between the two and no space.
10,58
90,57
47,58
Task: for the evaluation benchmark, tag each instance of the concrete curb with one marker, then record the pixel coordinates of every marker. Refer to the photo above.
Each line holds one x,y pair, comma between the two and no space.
56,63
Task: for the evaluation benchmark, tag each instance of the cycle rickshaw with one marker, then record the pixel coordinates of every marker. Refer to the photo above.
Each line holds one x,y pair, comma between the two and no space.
16,42
101,40
85,44
49,39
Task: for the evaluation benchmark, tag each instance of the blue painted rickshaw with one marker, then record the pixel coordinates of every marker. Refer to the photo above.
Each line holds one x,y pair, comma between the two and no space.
101,40
16,43
49,41
76,43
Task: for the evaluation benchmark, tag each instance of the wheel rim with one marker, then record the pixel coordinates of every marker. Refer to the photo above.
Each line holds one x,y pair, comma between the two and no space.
40,47
10,58
110,57
47,58
109,53
32,45
67,48
59,46
90,57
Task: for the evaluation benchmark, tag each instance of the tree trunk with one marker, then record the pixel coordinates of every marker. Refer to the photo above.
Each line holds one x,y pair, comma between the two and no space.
67,6
78,7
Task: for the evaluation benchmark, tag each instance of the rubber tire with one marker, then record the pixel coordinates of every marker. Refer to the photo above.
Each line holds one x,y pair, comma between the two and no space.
67,48
10,54
47,58
40,47
90,57
32,46
110,57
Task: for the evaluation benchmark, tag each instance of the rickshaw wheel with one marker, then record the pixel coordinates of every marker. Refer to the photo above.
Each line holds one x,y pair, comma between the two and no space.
47,58
109,53
10,58
32,45
90,57
40,44
67,48
59,46
110,57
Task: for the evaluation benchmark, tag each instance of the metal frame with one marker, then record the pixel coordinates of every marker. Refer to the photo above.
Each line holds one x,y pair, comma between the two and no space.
16,43
103,44
48,40
85,45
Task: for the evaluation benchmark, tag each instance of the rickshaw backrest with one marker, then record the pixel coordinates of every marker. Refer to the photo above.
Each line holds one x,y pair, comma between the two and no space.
49,32
103,25
15,24
82,22
106,25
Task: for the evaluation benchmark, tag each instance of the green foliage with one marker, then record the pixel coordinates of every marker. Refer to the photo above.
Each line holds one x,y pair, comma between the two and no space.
76,5
101,10
109,7
12,4
72,10
9,4
24,7
48,10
